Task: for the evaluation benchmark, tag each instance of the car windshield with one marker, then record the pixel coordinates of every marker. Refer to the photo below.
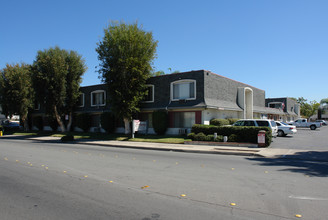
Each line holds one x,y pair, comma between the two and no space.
273,123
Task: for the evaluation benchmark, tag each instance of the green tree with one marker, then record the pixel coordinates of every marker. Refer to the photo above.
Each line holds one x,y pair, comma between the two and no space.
126,53
16,91
57,75
308,109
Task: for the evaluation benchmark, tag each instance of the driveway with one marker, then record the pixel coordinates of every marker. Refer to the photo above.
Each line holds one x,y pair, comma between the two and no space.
304,139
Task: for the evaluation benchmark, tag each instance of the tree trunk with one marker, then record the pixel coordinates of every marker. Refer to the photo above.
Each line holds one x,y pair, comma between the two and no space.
25,123
70,121
60,122
127,126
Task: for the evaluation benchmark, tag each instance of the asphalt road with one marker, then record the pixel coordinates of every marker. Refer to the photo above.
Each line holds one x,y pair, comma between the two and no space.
71,181
304,139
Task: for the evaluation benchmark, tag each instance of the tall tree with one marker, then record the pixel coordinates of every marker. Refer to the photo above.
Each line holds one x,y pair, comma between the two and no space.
307,109
126,53
16,91
57,75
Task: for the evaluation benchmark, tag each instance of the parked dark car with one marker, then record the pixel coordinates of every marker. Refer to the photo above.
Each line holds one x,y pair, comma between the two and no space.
11,126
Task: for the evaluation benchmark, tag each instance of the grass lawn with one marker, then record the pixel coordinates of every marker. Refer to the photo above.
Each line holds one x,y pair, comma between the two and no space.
173,139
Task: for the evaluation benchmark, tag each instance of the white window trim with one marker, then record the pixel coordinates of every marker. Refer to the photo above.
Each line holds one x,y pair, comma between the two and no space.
182,81
153,92
98,91
82,105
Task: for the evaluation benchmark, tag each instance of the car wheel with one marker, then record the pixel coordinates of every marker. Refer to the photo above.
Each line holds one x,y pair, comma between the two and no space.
281,133
313,127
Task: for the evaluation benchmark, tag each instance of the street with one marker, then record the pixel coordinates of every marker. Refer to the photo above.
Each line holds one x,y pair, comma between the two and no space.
70,181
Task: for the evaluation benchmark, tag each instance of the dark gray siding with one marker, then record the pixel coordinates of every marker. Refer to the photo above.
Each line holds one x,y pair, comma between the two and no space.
162,91
289,103
225,90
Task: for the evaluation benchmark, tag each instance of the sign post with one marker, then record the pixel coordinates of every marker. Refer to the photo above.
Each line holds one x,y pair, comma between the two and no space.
138,125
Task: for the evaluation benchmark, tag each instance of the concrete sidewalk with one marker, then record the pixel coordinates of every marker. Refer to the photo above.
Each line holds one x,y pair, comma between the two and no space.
313,155
274,153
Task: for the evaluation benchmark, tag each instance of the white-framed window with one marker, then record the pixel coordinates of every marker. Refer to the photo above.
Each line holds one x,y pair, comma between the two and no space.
150,94
80,102
183,89
98,98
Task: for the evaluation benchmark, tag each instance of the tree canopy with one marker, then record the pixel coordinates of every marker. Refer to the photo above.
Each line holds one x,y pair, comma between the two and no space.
126,53
307,109
57,75
16,90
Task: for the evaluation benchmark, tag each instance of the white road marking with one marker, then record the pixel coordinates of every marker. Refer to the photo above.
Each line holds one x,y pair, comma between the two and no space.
308,198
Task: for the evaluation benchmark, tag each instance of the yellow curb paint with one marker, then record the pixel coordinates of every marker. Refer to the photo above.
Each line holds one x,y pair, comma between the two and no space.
86,176
64,171
31,164
46,168
110,181
28,162
298,216
42,165
143,187
232,168
266,172
183,195
232,204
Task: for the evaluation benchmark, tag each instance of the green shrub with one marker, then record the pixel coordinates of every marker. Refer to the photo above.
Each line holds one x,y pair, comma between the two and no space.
107,121
203,137
67,138
83,121
240,133
233,138
160,121
200,137
219,122
191,136
232,120
38,122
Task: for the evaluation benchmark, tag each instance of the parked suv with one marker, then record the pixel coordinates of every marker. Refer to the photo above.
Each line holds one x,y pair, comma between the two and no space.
259,123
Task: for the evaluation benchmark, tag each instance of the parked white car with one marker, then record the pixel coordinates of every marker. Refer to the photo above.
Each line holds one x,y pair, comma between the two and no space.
285,129
259,123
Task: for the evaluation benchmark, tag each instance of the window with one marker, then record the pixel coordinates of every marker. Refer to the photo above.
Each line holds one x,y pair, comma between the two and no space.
263,123
98,98
249,123
150,94
183,89
80,102
184,119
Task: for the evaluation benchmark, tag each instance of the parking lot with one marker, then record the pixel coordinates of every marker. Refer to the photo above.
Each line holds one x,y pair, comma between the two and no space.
304,139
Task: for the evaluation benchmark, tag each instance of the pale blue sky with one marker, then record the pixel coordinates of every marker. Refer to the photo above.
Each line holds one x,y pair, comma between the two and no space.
279,46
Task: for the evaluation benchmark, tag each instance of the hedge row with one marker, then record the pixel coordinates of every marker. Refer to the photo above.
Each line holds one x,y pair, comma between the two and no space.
222,122
234,133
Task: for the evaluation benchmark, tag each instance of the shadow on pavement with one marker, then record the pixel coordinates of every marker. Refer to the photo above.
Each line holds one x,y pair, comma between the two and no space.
312,163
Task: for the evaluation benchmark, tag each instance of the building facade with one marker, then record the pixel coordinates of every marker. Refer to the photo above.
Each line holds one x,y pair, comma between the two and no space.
193,97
